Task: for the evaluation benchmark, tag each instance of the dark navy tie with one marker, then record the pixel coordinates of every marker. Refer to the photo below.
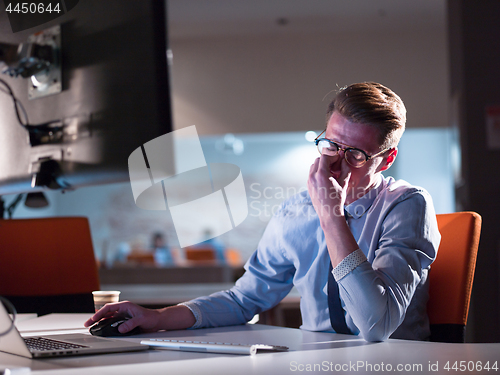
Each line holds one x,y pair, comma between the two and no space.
337,317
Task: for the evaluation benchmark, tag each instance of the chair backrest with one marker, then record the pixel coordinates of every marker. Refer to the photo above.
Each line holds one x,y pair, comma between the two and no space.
48,264
141,258
451,275
201,254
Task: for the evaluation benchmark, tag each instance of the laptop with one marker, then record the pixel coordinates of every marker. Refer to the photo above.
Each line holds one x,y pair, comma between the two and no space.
52,346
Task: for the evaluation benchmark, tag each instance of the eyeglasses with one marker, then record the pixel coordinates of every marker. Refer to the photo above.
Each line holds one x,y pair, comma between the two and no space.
354,156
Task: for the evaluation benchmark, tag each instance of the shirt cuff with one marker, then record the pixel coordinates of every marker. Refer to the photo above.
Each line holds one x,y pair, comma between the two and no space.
196,312
348,264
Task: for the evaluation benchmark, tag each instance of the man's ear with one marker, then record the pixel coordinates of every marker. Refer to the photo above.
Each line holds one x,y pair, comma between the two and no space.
392,153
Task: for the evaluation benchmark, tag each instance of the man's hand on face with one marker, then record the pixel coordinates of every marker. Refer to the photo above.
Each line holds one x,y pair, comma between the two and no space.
328,193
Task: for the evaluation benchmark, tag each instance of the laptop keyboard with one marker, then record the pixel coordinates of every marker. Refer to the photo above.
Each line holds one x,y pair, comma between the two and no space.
43,344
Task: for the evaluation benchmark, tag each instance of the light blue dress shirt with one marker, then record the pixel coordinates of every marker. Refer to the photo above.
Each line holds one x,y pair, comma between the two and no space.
383,286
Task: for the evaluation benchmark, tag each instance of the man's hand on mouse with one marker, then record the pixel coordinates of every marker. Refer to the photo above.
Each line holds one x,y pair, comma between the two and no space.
174,317
141,317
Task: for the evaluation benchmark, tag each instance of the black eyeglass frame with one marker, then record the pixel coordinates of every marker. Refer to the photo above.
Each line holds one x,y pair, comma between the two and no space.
345,149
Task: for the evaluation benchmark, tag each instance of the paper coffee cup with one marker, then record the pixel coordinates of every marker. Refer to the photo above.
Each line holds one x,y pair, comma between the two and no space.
102,297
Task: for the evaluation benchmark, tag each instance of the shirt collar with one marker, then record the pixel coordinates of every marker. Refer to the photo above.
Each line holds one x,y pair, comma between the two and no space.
358,208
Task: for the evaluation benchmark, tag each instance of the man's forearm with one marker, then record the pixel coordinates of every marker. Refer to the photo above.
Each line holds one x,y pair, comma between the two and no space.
176,317
339,239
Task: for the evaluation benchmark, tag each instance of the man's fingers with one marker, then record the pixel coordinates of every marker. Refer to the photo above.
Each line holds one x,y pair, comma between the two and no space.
103,312
140,317
320,167
346,181
314,167
107,311
324,164
311,181
129,325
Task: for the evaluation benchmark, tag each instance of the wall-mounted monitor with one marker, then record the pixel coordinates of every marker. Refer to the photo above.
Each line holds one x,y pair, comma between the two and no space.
111,96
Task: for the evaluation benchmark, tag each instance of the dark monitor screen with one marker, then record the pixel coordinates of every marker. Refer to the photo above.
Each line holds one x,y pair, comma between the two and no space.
114,96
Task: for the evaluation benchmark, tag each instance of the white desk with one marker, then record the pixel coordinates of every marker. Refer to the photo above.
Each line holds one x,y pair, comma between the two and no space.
309,351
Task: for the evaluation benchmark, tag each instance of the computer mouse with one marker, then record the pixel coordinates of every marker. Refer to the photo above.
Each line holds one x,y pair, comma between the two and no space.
109,327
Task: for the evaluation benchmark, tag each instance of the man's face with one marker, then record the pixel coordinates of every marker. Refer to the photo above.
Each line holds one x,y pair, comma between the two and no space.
363,137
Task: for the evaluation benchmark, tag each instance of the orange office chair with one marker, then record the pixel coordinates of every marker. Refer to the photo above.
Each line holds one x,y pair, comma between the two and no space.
201,254
141,258
48,265
451,275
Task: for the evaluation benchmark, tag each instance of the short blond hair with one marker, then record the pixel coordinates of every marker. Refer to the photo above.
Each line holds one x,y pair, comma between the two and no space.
373,104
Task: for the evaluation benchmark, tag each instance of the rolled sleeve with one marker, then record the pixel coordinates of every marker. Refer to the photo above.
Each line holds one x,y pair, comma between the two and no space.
196,312
377,295
348,264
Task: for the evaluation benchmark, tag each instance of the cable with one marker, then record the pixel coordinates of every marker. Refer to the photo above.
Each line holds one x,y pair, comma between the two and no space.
17,104
36,132
12,309
14,204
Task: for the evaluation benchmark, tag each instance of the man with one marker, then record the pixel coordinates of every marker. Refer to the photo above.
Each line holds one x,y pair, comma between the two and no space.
378,235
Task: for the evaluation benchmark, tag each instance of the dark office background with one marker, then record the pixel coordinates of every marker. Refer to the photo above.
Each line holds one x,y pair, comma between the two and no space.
443,60
474,40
